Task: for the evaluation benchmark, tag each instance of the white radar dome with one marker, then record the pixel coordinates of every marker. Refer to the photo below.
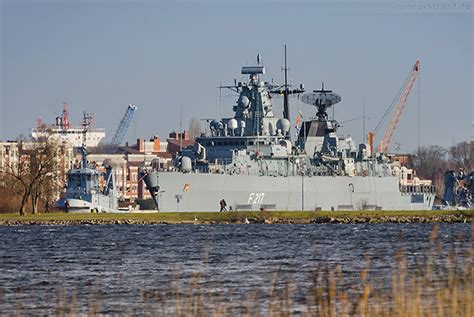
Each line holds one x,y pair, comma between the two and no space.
284,125
186,165
244,101
232,124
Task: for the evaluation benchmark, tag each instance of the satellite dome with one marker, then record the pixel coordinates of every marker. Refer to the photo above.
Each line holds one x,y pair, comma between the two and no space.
242,124
284,125
232,124
244,101
186,165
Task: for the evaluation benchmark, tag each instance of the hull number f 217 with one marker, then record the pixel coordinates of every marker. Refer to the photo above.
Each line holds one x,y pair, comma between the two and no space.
256,198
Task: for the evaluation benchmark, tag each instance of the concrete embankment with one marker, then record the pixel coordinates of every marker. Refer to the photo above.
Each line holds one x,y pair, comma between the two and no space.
454,218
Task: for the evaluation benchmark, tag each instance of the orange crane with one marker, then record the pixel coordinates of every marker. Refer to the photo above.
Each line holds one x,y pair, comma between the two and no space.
395,118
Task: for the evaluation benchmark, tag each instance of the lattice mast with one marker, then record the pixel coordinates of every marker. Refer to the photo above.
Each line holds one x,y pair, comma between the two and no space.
286,92
66,124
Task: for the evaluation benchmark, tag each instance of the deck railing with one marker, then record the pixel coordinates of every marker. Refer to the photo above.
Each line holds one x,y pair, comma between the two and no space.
418,189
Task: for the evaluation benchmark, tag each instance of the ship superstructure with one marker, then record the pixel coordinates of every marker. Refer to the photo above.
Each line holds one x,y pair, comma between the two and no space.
63,130
250,161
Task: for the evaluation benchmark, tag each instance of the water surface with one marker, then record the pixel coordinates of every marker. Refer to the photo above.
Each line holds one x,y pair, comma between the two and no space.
44,267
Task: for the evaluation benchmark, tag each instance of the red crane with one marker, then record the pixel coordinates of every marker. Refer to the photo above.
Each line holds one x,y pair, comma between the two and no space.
395,118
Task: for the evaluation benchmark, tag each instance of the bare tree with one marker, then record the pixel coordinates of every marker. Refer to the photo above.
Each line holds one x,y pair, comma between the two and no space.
430,162
37,163
9,193
194,128
44,190
461,156
428,159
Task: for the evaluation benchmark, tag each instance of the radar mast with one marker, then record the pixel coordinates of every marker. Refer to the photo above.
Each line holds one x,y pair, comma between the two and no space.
286,110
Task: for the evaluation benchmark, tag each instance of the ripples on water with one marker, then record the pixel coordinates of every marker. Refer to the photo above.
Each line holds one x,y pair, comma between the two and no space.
42,265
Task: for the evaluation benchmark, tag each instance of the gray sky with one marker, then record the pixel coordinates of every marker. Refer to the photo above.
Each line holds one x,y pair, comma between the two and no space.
99,56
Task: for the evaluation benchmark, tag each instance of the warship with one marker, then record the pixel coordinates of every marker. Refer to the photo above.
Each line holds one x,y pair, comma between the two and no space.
250,162
458,190
84,192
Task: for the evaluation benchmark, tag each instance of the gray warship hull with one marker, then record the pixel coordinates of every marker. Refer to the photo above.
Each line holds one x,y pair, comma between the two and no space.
202,192
249,161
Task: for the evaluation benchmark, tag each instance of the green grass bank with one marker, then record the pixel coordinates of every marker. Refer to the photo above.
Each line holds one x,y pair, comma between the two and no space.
267,217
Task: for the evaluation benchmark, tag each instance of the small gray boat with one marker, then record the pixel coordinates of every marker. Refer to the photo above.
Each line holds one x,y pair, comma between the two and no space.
83,192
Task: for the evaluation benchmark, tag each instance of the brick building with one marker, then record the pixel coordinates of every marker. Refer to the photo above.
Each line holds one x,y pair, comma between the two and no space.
125,160
13,152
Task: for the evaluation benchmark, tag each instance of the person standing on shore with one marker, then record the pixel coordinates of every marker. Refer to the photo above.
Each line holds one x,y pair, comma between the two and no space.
223,204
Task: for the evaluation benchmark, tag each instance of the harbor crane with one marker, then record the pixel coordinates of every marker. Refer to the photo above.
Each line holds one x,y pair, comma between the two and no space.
123,125
401,97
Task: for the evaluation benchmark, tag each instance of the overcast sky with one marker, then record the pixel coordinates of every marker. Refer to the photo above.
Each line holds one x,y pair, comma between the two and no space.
99,56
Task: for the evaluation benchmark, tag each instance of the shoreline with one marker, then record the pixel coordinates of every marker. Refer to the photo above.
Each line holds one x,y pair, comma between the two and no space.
212,218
